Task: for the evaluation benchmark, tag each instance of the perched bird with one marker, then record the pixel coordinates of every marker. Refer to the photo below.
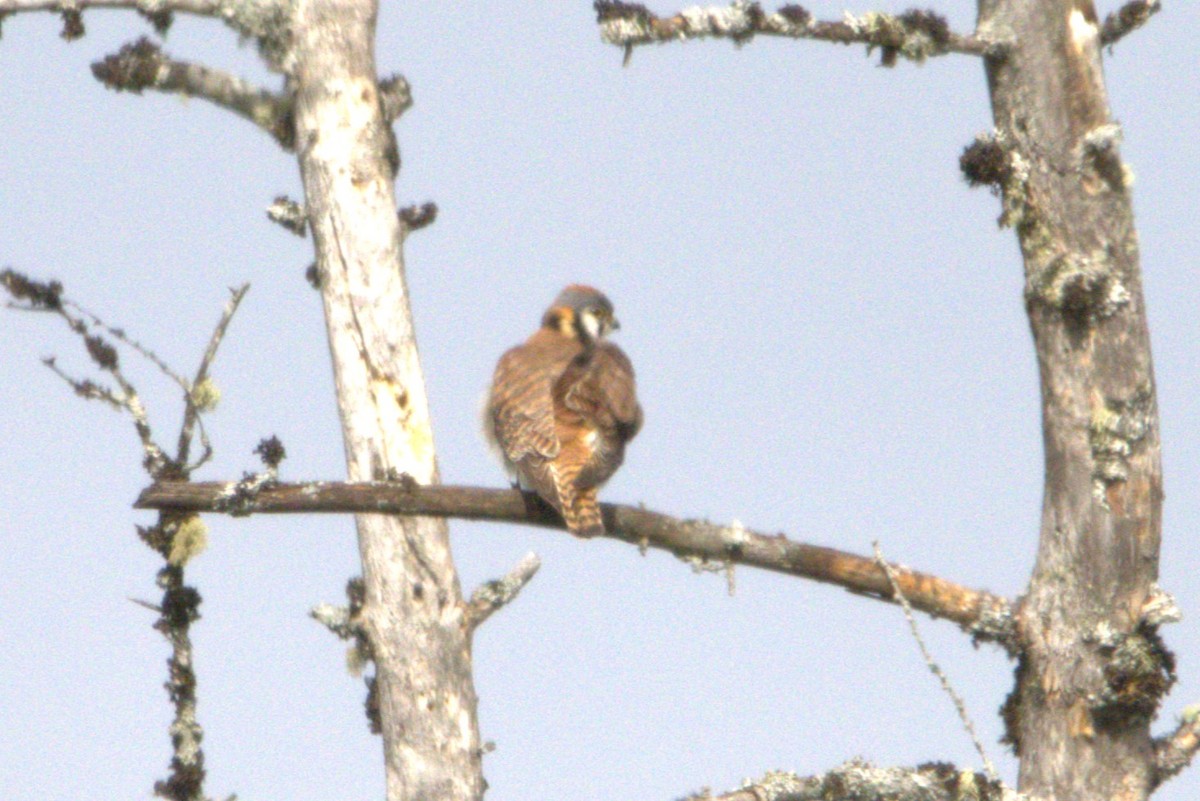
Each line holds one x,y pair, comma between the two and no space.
562,406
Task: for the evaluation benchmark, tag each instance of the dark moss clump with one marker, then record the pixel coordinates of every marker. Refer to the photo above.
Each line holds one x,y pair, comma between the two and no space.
984,163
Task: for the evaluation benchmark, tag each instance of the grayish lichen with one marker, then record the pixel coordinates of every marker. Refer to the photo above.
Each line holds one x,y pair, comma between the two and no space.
776,784
1016,189
1116,429
1160,608
622,30
733,20
239,498
995,625
1087,286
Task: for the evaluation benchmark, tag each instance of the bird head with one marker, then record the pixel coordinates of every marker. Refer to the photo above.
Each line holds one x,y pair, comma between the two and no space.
581,312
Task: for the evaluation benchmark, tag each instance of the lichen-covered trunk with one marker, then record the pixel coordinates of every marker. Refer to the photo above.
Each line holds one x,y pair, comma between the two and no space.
1092,670
413,608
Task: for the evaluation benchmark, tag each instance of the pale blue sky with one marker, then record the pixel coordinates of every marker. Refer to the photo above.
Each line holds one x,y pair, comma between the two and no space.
829,337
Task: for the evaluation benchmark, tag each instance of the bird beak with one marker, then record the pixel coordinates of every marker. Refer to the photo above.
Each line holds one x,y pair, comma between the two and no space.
614,324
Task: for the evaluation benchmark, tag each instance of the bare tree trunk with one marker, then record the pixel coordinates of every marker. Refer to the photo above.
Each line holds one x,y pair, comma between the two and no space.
1093,669
413,613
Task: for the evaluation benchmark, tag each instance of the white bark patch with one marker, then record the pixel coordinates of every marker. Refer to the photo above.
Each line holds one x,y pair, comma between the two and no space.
355,113
1083,33
732,19
405,434
620,31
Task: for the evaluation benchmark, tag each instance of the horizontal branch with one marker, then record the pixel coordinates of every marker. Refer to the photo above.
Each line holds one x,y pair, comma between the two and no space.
915,35
865,782
986,616
143,65
268,22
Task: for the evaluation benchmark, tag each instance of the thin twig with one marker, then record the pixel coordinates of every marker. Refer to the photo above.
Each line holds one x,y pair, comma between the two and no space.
120,335
959,704
155,459
128,399
191,414
147,605
83,387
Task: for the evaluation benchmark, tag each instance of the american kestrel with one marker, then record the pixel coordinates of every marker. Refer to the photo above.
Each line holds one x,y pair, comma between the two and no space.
563,405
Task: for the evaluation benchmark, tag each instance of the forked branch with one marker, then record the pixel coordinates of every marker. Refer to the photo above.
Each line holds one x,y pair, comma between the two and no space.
986,616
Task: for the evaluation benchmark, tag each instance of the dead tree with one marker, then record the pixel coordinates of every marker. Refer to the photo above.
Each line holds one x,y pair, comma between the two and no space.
1092,669
335,114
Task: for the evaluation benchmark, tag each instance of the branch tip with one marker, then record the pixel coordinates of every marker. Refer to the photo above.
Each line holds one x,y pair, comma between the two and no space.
40,296
493,595
1127,19
416,217
291,215
395,96
133,68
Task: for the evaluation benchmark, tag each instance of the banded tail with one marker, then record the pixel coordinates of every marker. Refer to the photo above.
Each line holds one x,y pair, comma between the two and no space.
579,507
